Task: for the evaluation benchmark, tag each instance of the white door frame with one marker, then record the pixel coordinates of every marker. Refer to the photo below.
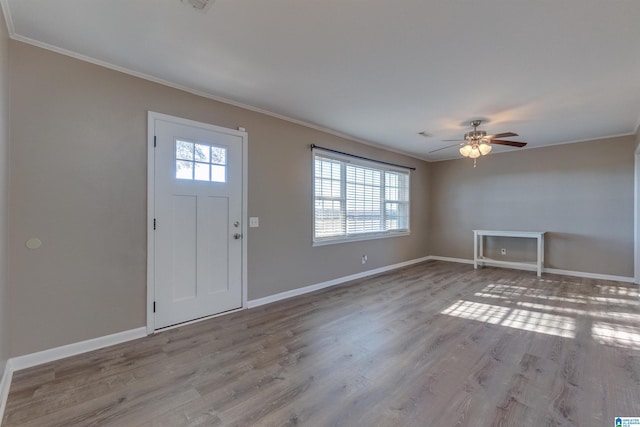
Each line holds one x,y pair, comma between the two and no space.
151,119
636,218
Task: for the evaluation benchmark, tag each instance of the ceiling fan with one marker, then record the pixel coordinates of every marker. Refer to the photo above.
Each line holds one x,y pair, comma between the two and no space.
477,143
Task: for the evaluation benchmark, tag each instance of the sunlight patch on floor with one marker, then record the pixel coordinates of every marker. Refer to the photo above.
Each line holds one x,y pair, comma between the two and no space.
595,314
629,291
616,301
531,295
533,321
626,336
613,314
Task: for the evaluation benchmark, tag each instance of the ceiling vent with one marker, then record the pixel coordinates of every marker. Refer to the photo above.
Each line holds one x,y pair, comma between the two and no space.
201,5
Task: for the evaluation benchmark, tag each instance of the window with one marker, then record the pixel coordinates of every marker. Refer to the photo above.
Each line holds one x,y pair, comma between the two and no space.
355,199
200,162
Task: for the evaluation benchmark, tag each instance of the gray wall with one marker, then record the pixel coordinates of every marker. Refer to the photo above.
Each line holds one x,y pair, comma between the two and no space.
582,194
78,182
4,145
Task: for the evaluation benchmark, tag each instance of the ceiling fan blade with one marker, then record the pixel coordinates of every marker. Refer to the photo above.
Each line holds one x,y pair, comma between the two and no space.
443,148
510,143
450,140
501,135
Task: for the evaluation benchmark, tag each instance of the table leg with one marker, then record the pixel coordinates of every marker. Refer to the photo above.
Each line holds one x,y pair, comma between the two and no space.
540,259
475,250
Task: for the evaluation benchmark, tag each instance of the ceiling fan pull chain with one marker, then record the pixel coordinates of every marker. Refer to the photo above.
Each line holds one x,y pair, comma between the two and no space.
474,163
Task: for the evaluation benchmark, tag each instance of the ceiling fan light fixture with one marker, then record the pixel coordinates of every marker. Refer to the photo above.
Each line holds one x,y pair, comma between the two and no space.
475,153
465,150
484,148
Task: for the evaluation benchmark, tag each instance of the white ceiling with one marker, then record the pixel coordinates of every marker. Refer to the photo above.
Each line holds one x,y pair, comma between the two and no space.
554,71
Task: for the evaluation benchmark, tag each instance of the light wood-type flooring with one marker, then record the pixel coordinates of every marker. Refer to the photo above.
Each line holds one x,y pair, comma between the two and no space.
434,344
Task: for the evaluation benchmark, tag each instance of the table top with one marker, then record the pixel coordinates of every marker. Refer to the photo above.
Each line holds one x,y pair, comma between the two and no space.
509,233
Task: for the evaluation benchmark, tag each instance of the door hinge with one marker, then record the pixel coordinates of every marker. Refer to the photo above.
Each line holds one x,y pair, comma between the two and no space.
154,306
154,223
155,140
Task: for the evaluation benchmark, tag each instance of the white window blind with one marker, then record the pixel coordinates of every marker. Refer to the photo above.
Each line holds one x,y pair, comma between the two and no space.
356,199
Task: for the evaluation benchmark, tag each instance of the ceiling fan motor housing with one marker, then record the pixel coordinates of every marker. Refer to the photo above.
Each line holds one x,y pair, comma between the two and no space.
475,135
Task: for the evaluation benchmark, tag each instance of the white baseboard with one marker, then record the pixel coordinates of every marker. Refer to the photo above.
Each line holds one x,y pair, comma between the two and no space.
5,384
589,275
311,288
46,356
547,270
449,259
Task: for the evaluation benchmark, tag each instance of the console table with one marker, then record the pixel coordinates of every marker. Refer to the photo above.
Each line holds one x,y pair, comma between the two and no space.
480,259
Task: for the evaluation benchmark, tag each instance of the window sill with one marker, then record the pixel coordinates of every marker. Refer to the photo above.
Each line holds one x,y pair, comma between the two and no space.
360,238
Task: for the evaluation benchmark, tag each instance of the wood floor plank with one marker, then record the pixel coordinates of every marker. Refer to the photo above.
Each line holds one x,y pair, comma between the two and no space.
432,344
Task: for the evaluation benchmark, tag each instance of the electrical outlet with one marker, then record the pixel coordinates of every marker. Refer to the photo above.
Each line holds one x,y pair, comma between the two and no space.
254,221
503,251
364,259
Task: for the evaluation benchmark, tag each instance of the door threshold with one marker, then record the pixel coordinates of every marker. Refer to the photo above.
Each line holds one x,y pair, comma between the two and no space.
200,319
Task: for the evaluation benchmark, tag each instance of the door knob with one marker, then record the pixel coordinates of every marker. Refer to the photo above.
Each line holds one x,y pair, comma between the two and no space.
237,236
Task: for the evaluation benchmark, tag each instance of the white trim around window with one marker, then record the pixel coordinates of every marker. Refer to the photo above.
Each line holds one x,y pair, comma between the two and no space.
356,199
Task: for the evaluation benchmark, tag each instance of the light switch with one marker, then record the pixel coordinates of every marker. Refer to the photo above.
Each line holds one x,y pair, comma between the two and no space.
254,221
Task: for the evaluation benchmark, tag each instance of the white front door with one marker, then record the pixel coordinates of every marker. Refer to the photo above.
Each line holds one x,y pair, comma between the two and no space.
197,220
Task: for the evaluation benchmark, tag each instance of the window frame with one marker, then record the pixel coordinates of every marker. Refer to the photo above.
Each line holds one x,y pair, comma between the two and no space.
371,164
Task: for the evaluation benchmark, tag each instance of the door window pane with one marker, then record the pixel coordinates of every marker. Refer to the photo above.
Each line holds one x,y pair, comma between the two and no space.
219,155
218,173
201,162
202,153
202,172
184,170
184,150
